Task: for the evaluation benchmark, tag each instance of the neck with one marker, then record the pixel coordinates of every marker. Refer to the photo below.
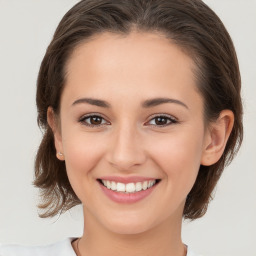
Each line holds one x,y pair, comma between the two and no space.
161,240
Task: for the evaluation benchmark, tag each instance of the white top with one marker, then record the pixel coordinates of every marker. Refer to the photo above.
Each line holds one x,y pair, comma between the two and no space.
61,248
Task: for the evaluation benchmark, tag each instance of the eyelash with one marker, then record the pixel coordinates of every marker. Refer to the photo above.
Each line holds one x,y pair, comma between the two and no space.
171,119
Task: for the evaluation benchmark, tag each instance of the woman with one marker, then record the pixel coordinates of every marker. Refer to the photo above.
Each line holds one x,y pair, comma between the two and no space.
141,108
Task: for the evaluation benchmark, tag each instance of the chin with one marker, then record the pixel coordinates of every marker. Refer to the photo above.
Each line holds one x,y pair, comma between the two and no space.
129,229
128,226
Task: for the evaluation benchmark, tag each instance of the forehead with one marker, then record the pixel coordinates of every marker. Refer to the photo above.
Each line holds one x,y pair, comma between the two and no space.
108,50
141,62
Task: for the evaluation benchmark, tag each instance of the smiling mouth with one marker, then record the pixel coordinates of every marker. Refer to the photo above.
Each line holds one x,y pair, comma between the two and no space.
132,187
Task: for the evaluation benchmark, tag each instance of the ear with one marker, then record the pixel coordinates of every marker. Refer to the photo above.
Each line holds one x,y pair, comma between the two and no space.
55,126
216,138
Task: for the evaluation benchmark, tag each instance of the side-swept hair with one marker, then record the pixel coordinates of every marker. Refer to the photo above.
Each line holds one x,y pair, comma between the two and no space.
194,28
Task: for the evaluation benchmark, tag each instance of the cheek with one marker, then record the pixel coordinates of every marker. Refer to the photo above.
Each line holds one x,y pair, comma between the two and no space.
179,158
82,154
180,149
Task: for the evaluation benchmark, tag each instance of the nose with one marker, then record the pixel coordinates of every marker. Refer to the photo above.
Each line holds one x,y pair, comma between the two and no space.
126,150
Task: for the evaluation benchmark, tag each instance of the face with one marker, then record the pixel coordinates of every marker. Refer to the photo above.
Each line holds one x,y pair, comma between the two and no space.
130,112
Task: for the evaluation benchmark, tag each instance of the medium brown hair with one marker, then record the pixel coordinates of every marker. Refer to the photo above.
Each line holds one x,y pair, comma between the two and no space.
194,28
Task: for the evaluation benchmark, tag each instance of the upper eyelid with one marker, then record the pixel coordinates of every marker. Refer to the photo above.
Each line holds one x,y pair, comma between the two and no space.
84,117
90,115
171,117
164,115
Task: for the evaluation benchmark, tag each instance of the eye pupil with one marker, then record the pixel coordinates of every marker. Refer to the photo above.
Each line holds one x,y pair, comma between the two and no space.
161,120
96,120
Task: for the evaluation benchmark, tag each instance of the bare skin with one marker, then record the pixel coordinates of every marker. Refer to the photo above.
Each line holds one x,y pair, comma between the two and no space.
127,140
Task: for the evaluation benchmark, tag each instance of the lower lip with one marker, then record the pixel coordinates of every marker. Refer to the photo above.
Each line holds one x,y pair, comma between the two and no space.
127,198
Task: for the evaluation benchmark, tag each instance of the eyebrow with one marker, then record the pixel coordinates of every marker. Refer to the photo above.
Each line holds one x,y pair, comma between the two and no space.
91,101
157,101
146,104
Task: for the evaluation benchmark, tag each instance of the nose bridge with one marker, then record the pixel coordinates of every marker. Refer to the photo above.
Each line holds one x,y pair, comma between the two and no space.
126,148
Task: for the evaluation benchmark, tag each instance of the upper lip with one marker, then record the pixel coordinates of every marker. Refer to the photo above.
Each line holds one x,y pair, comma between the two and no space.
125,180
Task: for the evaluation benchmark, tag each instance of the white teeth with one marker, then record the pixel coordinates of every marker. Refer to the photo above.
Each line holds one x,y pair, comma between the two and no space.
128,188
145,185
138,186
120,187
151,183
108,184
113,185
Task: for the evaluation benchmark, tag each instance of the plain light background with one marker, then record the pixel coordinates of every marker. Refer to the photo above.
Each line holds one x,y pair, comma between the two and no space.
26,28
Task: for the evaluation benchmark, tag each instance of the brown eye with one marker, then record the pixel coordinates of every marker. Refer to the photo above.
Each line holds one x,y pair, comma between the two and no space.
93,120
162,121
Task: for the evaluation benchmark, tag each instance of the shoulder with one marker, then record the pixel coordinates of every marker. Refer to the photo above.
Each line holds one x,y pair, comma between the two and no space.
61,248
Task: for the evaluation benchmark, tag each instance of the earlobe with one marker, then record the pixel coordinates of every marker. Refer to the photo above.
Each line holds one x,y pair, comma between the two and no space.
53,123
60,156
217,137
